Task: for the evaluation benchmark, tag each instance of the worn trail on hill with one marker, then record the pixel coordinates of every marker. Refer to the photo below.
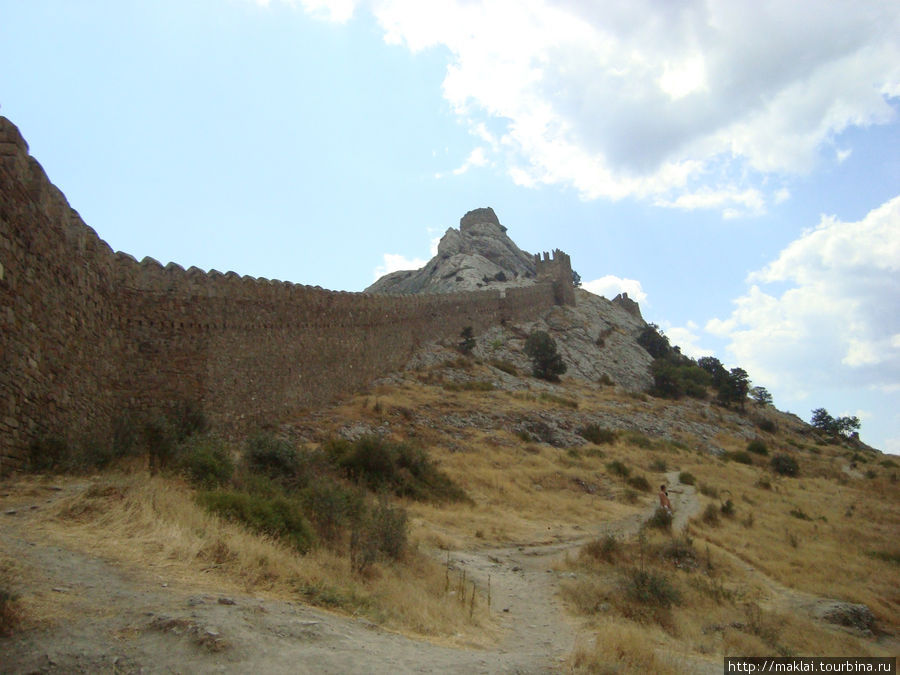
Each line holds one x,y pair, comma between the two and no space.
122,620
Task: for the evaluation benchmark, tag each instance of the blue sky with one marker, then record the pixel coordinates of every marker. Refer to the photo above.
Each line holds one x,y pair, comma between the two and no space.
735,166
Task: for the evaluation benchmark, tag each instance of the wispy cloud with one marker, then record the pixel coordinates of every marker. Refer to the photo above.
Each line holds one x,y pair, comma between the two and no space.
610,286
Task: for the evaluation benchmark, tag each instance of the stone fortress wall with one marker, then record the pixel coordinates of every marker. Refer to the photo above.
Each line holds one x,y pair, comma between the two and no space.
86,333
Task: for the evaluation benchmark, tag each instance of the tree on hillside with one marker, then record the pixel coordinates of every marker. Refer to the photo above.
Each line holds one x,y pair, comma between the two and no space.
843,427
735,388
654,341
546,362
576,279
714,367
467,344
761,395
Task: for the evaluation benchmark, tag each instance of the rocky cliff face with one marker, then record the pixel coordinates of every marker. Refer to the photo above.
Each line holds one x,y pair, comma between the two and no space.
596,337
477,256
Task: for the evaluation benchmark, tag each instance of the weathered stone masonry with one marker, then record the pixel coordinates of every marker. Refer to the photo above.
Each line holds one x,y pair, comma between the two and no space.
86,333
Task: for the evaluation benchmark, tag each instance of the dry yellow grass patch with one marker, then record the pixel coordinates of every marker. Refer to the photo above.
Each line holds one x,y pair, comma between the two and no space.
154,525
813,534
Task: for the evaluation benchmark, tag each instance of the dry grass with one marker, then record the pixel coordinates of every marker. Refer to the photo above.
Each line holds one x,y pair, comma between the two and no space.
154,524
529,493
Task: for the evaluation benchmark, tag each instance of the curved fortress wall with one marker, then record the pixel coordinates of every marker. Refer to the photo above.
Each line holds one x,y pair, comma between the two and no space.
86,334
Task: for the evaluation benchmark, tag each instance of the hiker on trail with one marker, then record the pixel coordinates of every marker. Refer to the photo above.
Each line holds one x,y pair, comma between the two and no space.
664,498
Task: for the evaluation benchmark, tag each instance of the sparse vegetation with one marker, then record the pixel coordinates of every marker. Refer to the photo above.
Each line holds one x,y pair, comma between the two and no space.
597,435
687,478
757,447
785,465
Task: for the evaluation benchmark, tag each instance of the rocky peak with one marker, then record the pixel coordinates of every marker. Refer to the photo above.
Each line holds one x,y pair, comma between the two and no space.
478,255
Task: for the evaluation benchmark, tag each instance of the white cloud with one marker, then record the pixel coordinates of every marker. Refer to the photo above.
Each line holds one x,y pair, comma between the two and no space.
733,201
610,286
394,262
476,158
647,98
653,99
686,338
836,323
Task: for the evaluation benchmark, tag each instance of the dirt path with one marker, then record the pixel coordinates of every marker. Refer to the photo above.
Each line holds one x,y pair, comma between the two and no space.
123,621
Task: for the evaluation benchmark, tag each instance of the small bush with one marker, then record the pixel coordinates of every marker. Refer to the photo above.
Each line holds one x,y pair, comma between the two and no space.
661,519
382,533
680,551
270,456
505,366
741,457
799,514
651,588
686,478
597,435
332,508
767,425
709,490
604,549
618,468
10,611
606,380
658,465
785,465
206,461
757,447
887,556
639,483
276,516
379,464
764,483
559,400
710,515
727,508
640,440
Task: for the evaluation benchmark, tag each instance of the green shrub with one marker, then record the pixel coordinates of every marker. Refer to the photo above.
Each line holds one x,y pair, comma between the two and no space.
379,464
651,588
546,362
639,439
887,556
382,533
757,447
274,457
639,483
680,551
767,425
604,549
467,343
187,419
332,508
710,515
785,465
741,457
618,468
275,516
661,519
597,435
673,379
727,508
709,490
686,478
206,461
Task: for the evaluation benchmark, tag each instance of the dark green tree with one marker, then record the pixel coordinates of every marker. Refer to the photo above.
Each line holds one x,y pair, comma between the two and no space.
761,395
843,427
576,279
654,341
546,362
714,367
467,344
735,388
